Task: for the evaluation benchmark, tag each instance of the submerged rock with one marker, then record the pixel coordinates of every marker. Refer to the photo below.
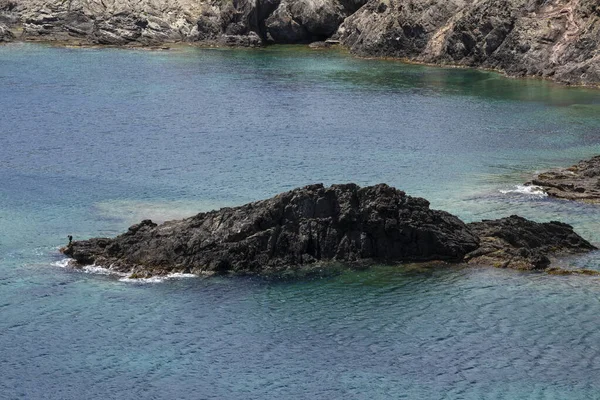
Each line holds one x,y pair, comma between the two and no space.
317,225
518,243
579,182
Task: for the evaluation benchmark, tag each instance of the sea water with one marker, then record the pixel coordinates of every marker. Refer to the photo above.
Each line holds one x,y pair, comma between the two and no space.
93,140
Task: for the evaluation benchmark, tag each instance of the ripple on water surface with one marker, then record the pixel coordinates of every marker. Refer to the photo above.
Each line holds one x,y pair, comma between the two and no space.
94,140
389,331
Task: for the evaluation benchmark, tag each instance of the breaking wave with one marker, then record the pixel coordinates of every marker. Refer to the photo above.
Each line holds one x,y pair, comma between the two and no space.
527,190
123,276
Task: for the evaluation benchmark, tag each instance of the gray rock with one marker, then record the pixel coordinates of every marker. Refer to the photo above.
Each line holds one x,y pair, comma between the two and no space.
396,28
283,28
303,21
131,22
145,22
321,18
549,39
553,39
5,34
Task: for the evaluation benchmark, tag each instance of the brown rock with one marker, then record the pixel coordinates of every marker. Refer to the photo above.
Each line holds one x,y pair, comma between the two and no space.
580,182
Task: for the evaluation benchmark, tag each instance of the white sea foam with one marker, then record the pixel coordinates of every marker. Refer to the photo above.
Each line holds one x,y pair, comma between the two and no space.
64,263
157,279
98,270
88,269
527,190
123,276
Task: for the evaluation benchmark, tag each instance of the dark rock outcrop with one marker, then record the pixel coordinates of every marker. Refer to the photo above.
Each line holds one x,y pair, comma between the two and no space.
342,223
579,182
316,225
302,21
518,243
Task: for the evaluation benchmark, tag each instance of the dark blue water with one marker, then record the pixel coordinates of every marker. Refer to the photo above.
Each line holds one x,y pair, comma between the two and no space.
93,140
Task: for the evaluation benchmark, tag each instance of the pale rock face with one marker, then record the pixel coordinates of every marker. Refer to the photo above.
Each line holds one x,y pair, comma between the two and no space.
151,22
554,39
5,34
109,21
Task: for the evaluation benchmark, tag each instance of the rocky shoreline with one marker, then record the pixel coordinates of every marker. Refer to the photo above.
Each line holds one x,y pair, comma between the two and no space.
555,39
322,226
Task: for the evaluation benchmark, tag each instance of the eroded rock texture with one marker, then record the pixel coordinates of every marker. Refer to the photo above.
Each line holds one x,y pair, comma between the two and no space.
518,243
556,39
580,182
5,34
316,225
145,22
343,223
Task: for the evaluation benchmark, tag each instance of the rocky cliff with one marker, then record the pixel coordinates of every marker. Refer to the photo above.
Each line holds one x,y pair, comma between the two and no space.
554,39
316,225
154,22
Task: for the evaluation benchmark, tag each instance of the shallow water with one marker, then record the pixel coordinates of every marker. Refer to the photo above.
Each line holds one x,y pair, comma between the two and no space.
94,140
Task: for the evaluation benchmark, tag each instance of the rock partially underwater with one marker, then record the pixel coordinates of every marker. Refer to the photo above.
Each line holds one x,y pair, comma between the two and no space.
518,243
317,225
580,182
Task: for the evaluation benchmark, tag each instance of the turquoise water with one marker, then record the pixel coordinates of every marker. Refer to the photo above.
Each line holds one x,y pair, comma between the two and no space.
93,140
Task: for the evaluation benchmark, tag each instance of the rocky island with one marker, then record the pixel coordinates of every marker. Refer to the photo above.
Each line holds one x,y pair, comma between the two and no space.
318,225
553,39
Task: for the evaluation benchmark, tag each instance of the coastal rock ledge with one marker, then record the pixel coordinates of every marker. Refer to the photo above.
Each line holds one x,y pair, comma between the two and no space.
315,225
579,182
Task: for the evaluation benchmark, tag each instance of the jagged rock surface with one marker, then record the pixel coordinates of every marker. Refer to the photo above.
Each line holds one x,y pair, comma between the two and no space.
5,34
315,225
556,39
518,243
579,182
302,21
145,22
